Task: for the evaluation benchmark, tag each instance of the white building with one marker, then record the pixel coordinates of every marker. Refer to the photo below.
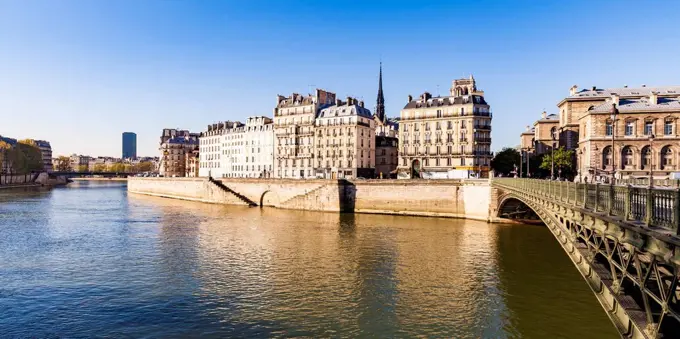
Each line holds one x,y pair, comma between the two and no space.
236,150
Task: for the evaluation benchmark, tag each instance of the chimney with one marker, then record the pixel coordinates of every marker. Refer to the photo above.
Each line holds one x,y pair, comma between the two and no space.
654,98
338,102
410,98
544,115
361,103
594,88
349,101
573,90
625,86
643,85
528,128
615,99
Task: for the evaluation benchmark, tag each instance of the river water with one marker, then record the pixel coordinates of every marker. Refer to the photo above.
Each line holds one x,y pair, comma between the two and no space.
89,260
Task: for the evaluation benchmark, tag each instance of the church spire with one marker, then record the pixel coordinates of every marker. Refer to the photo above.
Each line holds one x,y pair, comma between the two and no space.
380,103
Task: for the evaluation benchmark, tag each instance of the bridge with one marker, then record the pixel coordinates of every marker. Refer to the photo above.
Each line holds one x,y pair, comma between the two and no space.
82,174
624,240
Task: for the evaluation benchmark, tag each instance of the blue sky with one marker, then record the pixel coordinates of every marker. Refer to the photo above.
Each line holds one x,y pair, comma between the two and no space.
79,73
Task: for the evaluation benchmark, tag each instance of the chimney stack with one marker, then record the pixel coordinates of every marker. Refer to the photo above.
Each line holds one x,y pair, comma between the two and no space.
361,103
410,98
338,102
615,99
654,98
544,115
643,85
349,101
573,90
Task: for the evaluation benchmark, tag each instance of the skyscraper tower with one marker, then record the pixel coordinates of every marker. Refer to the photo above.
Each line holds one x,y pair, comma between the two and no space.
380,102
129,145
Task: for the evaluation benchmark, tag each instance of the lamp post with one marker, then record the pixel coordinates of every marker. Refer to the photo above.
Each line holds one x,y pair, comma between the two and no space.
597,161
651,160
612,114
552,158
528,172
580,164
521,161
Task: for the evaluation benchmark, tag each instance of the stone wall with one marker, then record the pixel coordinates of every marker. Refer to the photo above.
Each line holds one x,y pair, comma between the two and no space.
16,179
445,198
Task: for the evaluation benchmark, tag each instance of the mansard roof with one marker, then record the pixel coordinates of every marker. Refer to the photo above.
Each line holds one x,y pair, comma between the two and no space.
641,104
344,110
446,101
627,92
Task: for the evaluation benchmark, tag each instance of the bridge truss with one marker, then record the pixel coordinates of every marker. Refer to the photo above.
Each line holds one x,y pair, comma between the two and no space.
623,240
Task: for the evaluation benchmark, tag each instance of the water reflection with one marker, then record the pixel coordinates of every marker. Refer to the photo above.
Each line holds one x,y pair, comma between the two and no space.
97,262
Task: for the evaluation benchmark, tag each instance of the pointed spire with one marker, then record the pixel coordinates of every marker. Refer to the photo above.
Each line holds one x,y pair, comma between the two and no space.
380,102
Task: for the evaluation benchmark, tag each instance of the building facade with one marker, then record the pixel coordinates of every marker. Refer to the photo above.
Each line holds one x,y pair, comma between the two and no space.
192,163
345,141
627,132
446,137
294,119
386,156
46,152
129,145
258,153
174,146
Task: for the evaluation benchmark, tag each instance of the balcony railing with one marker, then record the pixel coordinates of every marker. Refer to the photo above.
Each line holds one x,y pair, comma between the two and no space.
483,127
650,206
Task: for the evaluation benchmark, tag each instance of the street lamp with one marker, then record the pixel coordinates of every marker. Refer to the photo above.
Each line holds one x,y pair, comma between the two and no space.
612,114
651,160
552,158
521,161
580,164
597,162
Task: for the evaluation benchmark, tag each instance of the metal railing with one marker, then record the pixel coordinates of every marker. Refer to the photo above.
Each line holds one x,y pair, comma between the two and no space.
651,206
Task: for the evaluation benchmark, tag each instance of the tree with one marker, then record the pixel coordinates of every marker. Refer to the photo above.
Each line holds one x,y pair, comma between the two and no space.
82,168
5,150
117,168
564,162
99,168
504,162
27,157
145,166
63,164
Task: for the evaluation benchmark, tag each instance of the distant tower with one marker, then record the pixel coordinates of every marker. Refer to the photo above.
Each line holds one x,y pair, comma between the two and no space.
380,103
129,145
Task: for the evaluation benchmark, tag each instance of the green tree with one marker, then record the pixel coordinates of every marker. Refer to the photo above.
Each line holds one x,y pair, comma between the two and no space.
146,166
99,168
82,168
117,168
504,161
63,164
5,150
564,162
27,157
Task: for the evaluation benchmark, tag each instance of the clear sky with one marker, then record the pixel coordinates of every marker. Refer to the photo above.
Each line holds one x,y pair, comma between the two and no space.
79,73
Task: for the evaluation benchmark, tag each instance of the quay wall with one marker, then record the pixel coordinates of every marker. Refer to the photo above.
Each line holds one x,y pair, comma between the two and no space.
440,198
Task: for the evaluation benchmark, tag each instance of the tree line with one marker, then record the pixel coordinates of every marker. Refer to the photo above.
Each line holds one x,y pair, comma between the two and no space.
507,163
63,164
22,158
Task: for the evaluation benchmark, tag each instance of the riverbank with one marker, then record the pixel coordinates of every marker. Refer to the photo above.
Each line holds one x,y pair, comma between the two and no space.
100,179
468,199
28,185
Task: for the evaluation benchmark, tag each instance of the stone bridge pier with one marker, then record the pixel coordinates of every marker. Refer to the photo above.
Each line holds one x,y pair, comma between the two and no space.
622,239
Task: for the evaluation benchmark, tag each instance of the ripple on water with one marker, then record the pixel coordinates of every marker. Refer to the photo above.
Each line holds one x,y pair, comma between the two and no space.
91,261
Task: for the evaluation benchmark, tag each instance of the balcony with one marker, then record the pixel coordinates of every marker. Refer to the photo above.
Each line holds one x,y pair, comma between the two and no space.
463,140
483,140
483,127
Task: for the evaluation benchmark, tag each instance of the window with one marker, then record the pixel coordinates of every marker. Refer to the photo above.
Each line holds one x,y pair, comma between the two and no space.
449,125
607,156
448,162
439,114
668,128
666,157
609,129
649,127
628,156
629,128
436,161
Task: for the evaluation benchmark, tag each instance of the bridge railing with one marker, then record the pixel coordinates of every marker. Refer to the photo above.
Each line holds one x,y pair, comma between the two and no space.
655,207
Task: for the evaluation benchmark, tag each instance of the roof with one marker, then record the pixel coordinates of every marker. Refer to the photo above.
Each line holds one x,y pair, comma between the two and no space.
344,110
626,92
182,140
10,141
641,104
447,101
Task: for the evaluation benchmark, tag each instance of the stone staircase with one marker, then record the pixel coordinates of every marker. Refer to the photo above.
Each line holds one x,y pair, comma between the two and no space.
301,196
243,198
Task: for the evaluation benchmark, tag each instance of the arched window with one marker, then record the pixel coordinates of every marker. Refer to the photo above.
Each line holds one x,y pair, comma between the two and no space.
646,157
553,133
606,157
627,156
666,157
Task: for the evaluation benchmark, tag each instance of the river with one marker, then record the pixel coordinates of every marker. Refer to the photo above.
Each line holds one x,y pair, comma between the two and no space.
89,260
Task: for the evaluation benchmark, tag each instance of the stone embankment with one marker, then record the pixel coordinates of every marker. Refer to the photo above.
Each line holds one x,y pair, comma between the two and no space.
438,198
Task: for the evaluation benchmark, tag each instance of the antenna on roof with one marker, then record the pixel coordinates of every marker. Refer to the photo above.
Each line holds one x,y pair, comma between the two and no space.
437,90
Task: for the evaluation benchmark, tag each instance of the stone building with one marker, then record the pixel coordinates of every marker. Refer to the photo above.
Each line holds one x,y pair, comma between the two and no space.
78,162
345,141
192,163
294,133
446,137
386,156
174,146
236,150
644,132
546,134
46,152
527,141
